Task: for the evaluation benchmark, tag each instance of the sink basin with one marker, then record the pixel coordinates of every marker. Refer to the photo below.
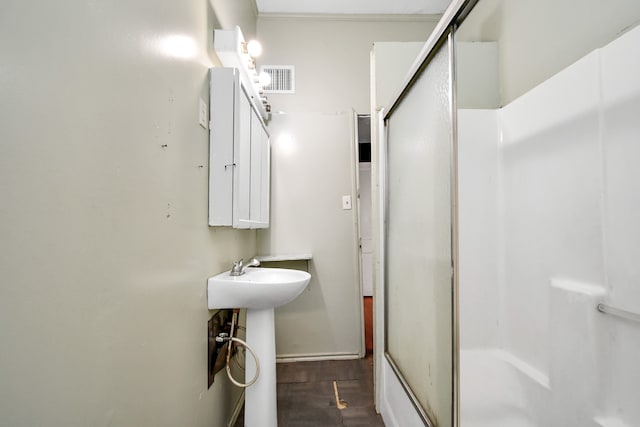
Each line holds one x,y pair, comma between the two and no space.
258,288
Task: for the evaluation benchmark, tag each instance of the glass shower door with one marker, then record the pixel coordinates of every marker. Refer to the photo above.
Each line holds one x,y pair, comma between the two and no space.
419,267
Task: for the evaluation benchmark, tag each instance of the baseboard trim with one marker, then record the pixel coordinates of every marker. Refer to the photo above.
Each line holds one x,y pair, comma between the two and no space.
286,358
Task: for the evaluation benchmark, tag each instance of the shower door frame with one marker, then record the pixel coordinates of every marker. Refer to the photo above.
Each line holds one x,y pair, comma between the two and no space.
443,33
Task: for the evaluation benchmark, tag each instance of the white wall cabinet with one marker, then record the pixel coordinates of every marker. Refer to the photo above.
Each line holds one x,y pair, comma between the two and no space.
239,156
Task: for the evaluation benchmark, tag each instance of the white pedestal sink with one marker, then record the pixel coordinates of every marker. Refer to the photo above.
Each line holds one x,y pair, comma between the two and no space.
259,290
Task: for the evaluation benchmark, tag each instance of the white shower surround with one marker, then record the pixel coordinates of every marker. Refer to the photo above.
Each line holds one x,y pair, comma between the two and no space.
549,198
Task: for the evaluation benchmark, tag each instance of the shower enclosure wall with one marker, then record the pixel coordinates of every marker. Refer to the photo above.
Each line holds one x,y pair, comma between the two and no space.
548,187
545,188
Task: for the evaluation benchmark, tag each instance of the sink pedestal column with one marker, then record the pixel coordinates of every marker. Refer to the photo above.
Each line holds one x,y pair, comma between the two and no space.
260,409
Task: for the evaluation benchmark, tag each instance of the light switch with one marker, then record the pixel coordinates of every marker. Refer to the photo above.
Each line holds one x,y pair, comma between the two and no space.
346,202
202,113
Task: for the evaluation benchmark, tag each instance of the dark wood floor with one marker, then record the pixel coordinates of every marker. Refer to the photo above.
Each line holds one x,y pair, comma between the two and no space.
306,396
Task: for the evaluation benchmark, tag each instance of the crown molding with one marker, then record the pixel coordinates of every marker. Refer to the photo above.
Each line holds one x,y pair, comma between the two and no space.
254,8
349,17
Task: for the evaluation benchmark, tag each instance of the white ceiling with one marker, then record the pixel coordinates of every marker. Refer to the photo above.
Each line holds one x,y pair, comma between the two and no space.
383,7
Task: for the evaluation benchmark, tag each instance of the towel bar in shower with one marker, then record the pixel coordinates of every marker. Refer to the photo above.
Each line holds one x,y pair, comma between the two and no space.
606,309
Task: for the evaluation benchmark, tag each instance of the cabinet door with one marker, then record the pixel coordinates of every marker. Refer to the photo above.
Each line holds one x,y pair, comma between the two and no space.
266,178
224,128
242,157
256,168
259,209
239,156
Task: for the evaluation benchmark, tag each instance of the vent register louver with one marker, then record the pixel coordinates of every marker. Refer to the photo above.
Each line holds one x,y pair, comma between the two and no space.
282,78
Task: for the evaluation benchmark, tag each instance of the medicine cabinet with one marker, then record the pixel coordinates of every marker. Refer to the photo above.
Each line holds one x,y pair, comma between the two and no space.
239,156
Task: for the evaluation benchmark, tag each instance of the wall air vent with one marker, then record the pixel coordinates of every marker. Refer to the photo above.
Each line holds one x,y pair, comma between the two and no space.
282,78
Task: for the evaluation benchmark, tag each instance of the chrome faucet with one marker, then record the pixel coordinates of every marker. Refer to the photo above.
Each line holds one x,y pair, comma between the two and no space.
239,268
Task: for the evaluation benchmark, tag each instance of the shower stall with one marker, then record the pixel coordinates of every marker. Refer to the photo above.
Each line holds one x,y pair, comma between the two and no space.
510,258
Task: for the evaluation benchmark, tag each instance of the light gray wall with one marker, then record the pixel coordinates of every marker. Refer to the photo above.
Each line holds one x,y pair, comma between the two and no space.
104,244
313,166
538,39
243,13
477,75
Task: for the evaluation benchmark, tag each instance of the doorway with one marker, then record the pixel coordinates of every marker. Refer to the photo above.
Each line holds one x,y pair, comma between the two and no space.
365,238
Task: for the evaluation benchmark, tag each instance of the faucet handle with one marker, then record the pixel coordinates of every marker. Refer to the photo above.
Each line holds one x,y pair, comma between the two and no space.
240,267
